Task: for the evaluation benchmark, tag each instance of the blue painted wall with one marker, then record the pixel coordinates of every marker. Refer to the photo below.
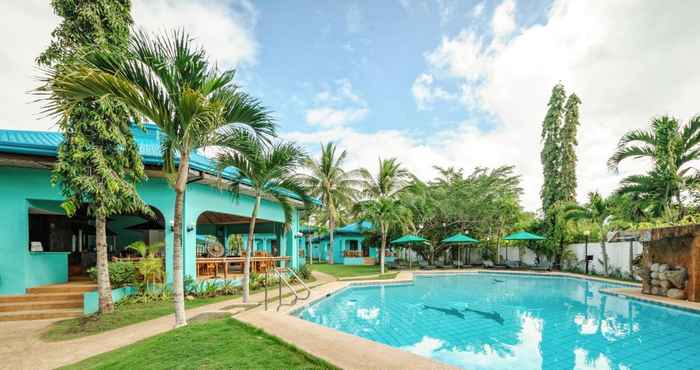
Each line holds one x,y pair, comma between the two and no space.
91,300
340,243
20,185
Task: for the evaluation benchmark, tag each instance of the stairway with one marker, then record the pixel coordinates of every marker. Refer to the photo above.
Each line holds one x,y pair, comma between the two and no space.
55,301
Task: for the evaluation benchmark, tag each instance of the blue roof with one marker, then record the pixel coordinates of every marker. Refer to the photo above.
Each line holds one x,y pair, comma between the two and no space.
356,228
45,143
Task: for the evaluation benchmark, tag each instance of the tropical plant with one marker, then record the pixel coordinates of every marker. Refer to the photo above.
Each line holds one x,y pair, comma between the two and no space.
671,147
169,81
567,182
151,265
332,185
551,149
121,273
382,205
390,179
384,213
598,211
266,171
98,160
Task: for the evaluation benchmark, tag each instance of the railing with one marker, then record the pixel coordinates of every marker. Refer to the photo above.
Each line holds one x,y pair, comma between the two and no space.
282,274
259,264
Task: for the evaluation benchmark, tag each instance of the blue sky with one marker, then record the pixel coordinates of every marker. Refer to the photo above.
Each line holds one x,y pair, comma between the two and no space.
378,46
430,82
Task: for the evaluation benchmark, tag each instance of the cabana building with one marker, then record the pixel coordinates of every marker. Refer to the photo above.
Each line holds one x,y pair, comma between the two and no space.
42,246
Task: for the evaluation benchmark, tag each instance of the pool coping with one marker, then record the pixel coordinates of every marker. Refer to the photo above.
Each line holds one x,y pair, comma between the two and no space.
349,351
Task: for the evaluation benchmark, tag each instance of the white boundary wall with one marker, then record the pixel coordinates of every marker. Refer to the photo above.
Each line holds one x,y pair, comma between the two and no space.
618,255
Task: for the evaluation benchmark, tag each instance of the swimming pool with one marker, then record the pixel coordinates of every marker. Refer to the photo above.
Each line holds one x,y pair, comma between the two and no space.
507,321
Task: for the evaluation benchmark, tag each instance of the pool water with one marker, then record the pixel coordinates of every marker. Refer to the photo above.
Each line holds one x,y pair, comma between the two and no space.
504,321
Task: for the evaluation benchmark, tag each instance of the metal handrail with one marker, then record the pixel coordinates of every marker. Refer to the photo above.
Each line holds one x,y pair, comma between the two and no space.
301,281
279,272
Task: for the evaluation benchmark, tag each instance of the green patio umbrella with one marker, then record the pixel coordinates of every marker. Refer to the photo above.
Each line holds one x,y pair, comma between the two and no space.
409,240
460,239
522,235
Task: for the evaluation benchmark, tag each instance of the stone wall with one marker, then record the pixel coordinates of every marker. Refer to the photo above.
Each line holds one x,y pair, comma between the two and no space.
672,249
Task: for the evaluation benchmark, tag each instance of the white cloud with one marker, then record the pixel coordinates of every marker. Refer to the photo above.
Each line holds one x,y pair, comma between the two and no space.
330,117
225,29
503,21
624,71
425,93
461,56
478,9
27,27
336,106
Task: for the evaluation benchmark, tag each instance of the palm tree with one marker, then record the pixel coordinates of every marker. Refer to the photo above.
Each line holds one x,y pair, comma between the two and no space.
391,179
169,81
381,193
265,170
331,184
671,147
385,213
598,211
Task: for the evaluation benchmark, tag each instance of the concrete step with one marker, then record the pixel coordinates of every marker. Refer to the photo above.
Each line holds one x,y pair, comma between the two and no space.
41,315
42,297
63,288
39,306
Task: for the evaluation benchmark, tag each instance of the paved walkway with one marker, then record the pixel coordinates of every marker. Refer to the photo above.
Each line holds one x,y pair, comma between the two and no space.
22,348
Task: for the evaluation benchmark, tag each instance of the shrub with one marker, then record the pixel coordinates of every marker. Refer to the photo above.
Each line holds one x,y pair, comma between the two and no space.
120,273
304,272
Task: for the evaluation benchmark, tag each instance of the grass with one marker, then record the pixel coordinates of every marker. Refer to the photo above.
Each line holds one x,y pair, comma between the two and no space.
344,271
126,313
360,272
215,344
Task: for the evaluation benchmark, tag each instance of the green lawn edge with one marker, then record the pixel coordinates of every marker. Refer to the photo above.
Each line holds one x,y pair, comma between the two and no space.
213,344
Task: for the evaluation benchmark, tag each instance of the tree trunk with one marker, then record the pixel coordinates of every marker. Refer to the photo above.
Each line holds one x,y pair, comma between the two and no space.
605,255
178,273
311,250
383,248
249,251
104,289
331,231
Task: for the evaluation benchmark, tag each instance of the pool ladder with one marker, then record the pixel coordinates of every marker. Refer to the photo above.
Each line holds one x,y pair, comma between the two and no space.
284,276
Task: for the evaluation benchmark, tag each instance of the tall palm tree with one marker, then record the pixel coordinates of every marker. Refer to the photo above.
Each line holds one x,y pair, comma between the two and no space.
386,213
335,187
598,211
381,202
671,147
265,170
169,81
391,179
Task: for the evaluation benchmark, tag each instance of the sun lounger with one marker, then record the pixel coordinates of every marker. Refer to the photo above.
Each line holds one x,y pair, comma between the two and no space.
424,265
440,265
513,264
542,266
488,264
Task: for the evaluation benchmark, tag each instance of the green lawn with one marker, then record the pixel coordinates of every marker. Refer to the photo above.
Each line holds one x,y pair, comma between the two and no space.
343,271
124,314
215,344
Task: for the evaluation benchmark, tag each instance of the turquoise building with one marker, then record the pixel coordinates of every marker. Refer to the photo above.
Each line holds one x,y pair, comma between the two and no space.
41,245
350,246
